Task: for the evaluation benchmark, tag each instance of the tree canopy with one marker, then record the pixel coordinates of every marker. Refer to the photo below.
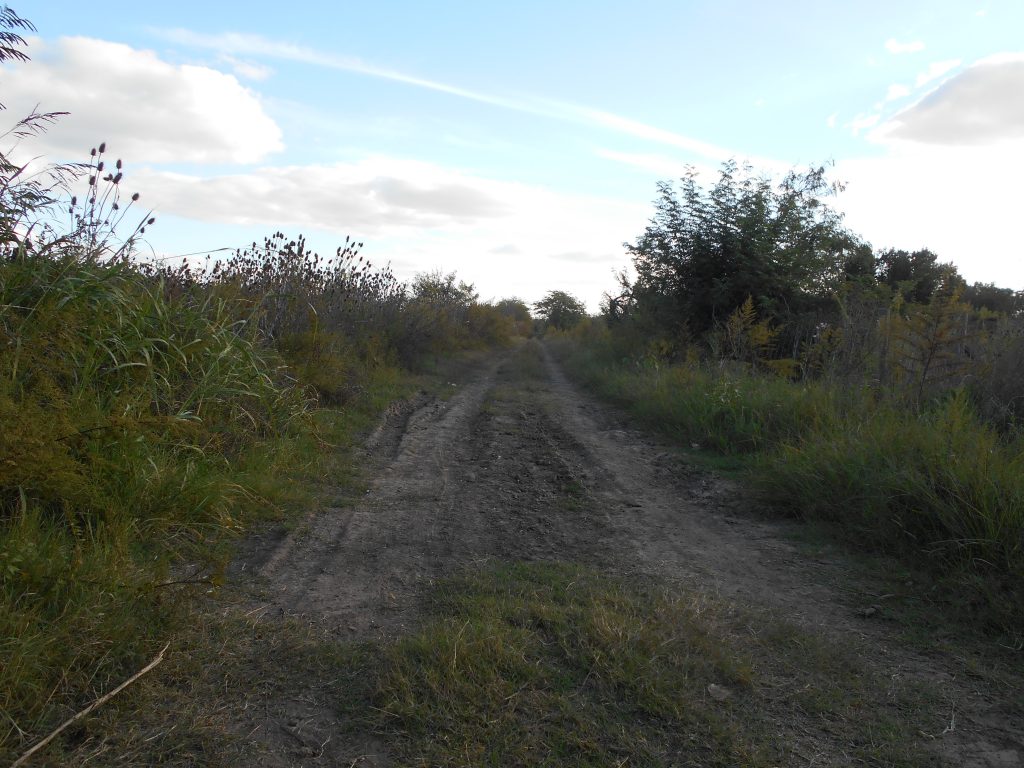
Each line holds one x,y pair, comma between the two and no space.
706,250
560,309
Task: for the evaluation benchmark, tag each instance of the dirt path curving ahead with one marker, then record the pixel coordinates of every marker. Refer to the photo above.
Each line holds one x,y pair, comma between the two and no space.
519,465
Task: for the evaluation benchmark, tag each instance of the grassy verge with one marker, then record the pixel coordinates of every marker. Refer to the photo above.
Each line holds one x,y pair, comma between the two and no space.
143,429
939,487
524,665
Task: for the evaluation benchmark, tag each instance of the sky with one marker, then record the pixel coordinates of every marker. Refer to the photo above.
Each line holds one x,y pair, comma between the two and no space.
520,144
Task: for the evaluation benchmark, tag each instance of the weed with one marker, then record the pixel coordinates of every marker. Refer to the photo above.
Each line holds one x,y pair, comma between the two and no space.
555,665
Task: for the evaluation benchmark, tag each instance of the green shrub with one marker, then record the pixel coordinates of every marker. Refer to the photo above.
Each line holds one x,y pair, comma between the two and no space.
942,483
130,422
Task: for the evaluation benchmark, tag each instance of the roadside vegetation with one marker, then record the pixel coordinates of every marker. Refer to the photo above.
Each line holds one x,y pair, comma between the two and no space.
557,665
152,411
875,391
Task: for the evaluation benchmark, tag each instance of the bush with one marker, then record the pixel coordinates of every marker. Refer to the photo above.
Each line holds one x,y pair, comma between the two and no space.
943,484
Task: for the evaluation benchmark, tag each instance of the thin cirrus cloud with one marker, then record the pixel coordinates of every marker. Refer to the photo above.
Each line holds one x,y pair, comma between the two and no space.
896,47
978,106
936,70
257,45
142,106
896,91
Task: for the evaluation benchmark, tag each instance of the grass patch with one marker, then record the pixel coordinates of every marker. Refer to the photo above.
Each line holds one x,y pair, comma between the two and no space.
942,487
557,665
515,665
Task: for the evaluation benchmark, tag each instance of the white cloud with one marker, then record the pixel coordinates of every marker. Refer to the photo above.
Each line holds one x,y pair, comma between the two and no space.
961,202
509,249
949,178
896,91
895,47
376,196
863,122
420,216
147,110
259,46
651,133
246,69
656,164
831,120
936,70
978,106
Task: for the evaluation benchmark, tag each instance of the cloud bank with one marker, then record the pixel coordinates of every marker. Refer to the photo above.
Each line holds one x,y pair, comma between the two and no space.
146,109
978,106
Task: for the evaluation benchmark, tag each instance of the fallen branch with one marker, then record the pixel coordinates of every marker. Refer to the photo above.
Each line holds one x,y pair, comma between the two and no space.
99,702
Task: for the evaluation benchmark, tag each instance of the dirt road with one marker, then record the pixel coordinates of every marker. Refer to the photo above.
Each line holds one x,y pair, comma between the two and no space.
519,465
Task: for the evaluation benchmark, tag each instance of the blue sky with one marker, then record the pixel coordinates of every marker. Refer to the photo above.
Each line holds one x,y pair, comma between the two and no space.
519,144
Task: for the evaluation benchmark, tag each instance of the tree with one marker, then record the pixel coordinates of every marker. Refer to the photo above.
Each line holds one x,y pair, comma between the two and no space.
706,250
917,274
444,291
515,309
561,310
988,296
518,312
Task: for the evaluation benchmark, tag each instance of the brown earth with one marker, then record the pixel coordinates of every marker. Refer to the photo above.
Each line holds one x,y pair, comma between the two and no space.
519,465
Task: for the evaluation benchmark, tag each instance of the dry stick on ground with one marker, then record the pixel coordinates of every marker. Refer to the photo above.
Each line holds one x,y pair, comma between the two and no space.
99,702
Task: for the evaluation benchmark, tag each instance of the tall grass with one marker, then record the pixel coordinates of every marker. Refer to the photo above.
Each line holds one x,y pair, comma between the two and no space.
149,413
721,407
129,424
941,483
936,483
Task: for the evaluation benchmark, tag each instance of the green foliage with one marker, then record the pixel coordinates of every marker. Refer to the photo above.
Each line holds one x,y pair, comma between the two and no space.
706,251
518,312
941,485
564,669
916,275
556,665
560,310
132,427
926,346
990,297
731,411
935,484
744,337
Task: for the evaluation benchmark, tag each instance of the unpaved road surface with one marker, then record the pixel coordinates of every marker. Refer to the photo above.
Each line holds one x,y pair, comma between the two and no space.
520,465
